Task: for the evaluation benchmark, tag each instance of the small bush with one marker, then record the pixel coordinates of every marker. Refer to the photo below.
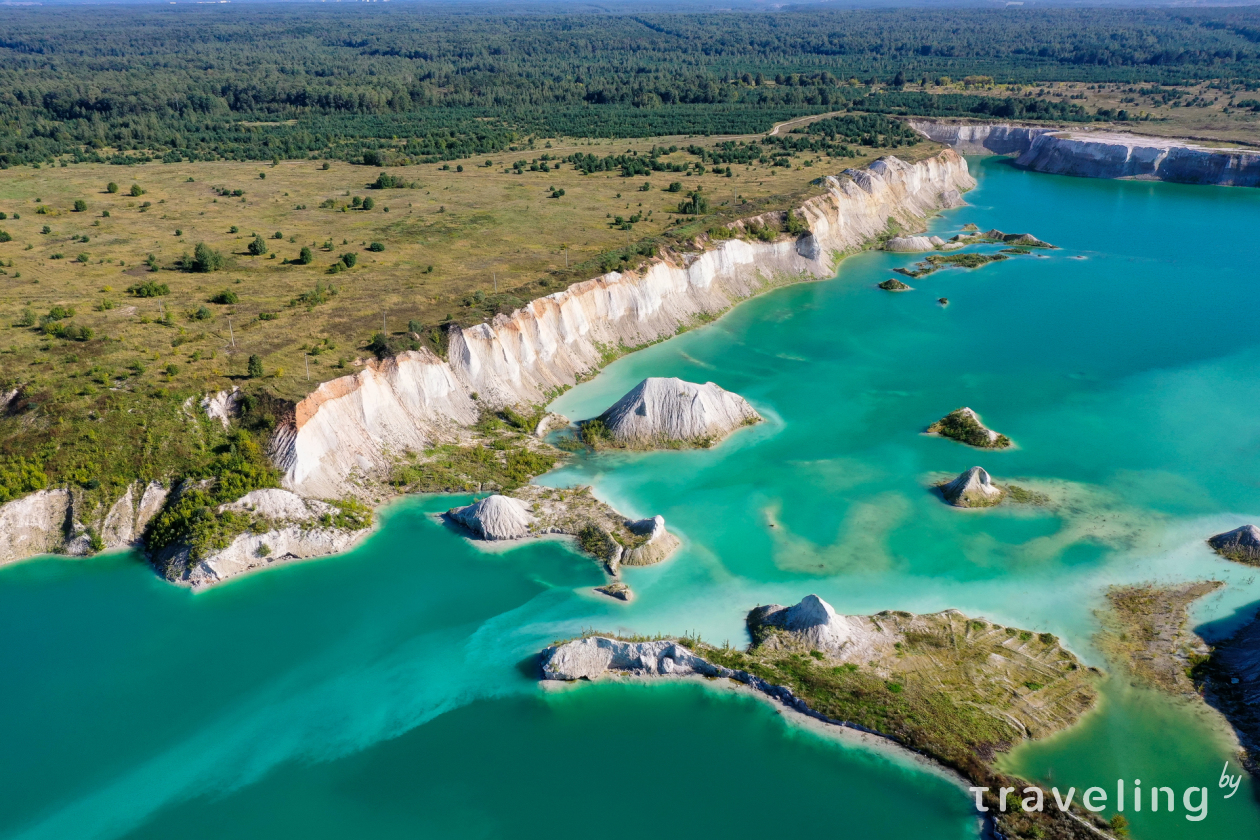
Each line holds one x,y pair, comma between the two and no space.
257,246
255,368
149,289
225,297
80,206
136,190
111,187
305,257
348,260
376,246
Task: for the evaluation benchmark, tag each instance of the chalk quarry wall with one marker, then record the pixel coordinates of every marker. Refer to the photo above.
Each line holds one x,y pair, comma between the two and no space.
357,424
1090,154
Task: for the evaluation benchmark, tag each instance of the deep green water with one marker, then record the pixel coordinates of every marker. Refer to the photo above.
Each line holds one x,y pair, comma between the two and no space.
387,693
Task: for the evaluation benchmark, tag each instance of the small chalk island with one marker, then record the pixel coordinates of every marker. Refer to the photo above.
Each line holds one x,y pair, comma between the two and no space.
532,512
952,688
975,488
1242,545
668,413
965,426
1020,244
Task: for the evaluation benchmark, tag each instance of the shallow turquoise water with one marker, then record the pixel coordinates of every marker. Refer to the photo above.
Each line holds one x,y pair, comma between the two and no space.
383,693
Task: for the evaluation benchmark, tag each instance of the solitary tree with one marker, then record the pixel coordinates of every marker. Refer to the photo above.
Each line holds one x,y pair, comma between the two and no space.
255,367
80,206
305,257
111,187
205,259
369,203
257,246
136,190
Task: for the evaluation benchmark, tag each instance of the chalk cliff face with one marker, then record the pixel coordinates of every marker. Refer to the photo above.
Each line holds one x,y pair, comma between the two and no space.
58,521
351,425
1091,154
354,423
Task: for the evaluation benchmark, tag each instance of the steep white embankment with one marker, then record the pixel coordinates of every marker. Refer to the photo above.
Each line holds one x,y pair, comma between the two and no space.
58,520
664,411
1091,154
353,424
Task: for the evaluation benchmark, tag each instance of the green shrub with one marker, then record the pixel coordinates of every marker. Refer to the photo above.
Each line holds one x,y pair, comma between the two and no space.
111,187
376,246
225,297
257,246
349,259
149,289
305,257
80,206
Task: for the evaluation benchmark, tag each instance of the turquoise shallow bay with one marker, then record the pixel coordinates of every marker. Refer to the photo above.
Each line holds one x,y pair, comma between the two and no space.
387,694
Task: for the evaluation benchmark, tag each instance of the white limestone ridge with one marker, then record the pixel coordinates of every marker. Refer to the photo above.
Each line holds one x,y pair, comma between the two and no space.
1101,154
663,410
495,518
352,424
58,521
296,532
592,656
974,488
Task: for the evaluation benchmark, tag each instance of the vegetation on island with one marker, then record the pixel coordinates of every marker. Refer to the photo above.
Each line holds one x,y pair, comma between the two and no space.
955,689
961,425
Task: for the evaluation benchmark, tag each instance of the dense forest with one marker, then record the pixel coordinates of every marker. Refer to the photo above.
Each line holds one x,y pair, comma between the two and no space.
289,81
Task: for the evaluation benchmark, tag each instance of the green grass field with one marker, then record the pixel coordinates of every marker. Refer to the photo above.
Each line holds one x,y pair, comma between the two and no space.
98,321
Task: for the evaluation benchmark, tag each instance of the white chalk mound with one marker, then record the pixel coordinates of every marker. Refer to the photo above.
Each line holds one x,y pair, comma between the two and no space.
813,621
910,243
661,411
974,488
495,518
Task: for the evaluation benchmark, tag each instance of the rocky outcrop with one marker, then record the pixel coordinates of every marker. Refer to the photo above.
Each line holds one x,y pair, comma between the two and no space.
62,521
284,527
1241,545
665,412
352,425
1025,239
617,589
495,518
964,426
1098,154
972,489
592,657
222,406
657,546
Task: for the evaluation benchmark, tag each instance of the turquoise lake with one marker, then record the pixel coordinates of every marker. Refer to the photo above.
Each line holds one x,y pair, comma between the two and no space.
390,692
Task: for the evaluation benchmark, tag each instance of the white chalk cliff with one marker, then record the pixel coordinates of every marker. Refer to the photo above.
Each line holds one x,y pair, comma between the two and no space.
296,530
660,411
58,521
353,424
1100,154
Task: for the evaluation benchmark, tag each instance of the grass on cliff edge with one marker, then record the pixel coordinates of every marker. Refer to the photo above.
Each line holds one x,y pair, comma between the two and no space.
100,376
